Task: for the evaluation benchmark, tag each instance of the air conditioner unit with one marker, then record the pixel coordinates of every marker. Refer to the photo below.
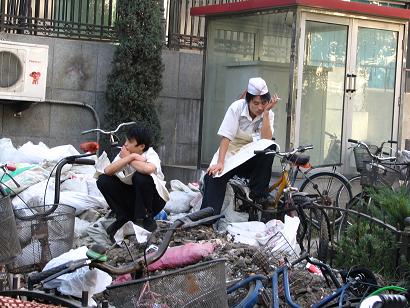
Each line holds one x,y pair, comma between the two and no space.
23,71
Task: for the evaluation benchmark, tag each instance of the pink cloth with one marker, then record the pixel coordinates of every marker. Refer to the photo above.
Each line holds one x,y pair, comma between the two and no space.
182,255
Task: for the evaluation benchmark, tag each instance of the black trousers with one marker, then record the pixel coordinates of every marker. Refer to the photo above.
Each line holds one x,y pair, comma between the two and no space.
131,202
258,169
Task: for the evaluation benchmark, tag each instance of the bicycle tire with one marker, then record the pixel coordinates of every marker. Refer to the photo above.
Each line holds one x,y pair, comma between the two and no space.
367,284
355,184
314,228
331,188
325,237
358,203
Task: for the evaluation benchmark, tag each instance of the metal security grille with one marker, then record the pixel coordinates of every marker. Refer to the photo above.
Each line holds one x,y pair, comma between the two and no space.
184,30
76,19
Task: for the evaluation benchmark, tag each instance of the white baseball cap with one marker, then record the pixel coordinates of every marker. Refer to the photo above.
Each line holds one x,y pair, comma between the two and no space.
257,86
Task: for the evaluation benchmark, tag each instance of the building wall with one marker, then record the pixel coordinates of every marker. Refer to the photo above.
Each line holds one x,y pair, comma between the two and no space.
77,72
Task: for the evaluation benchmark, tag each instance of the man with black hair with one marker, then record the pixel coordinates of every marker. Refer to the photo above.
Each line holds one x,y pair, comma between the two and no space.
245,121
133,184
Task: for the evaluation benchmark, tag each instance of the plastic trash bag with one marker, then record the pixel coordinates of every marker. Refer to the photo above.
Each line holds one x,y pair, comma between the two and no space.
83,279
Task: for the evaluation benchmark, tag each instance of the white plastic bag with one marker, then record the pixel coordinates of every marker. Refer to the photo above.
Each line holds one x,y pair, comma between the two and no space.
83,279
101,162
129,228
228,210
247,232
290,230
7,150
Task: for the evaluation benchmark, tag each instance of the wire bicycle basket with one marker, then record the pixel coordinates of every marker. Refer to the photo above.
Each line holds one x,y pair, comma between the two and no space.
45,231
272,255
378,175
199,285
9,243
42,236
277,252
361,156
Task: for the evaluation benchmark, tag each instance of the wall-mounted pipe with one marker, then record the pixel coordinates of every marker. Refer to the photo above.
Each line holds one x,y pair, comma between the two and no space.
80,104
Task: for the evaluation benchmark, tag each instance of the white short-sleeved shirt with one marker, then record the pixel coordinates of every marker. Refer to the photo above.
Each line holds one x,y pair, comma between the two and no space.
239,127
125,175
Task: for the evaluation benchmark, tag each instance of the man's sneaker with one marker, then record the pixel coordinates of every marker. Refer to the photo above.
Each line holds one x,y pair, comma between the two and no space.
149,224
266,202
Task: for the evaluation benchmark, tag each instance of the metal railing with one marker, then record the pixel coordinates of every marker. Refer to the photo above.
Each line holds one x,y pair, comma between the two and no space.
94,19
77,19
182,29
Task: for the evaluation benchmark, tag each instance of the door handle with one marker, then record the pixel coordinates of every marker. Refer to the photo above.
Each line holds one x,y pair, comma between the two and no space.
348,83
354,83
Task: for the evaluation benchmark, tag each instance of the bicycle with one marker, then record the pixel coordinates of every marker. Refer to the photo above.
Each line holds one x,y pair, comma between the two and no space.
125,293
329,187
357,284
94,146
334,149
361,156
44,231
378,172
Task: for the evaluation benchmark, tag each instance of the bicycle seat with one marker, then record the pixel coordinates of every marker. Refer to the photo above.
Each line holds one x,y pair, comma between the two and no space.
298,159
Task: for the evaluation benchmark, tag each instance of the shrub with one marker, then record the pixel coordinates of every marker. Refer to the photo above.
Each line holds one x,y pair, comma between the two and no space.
134,83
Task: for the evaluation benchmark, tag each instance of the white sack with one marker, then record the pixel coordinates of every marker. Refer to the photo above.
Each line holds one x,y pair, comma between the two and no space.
27,178
34,196
179,202
247,232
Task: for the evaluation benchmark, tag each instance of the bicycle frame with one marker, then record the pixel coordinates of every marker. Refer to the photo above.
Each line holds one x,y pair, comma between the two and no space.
288,178
282,183
339,293
284,271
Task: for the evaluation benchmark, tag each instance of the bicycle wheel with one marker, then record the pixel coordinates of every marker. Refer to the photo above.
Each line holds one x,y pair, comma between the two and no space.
360,203
355,184
314,232
331,189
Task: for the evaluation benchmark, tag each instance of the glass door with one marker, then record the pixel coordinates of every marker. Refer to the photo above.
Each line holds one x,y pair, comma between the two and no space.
348,85
320,108
373,88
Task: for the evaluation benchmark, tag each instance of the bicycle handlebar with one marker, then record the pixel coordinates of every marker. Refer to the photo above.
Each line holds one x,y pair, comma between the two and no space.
135,266
74,159
299,149
99,130
8,167
379,150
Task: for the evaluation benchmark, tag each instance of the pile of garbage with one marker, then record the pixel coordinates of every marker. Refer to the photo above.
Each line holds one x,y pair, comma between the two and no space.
232,238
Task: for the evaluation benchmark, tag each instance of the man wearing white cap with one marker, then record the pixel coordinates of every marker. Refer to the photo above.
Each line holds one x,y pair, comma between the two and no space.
245,121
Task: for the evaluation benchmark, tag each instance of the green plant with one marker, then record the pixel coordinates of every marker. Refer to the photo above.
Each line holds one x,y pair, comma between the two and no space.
395,205
367,245
134,83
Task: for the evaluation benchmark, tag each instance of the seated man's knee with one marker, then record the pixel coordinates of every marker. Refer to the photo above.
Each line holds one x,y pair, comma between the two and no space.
103,181
141,179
